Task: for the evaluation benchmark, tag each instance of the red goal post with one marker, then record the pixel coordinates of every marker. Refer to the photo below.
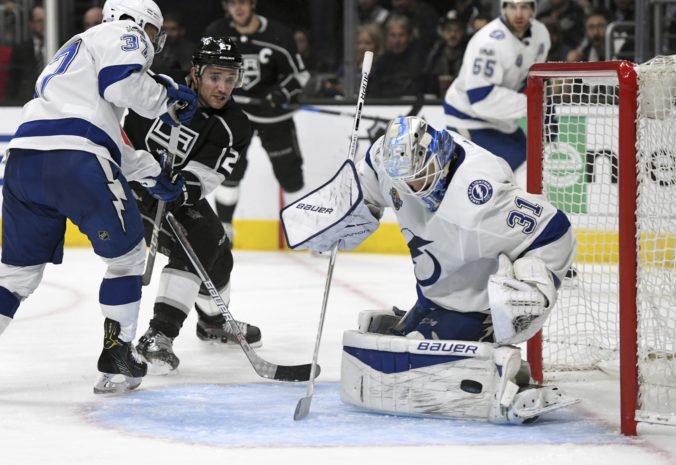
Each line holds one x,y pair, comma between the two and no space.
610,164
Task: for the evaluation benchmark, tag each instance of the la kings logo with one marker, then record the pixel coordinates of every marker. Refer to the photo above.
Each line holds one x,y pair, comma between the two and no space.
251,70
158,137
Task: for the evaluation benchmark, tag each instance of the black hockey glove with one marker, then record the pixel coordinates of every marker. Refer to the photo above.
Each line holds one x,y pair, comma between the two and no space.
277,100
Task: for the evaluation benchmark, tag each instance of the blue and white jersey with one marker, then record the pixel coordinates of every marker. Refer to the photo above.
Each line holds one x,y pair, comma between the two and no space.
483,213
487,92
82,93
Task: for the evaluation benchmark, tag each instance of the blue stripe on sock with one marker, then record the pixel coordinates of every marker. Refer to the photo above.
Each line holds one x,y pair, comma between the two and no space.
120,291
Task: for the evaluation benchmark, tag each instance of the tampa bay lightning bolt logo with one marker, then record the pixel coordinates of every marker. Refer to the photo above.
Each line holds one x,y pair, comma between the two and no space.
422,258
497,34
480,192
396,199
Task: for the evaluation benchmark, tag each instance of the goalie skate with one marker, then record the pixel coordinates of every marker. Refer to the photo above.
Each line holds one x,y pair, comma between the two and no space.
533,400
212,329
120,367
157,349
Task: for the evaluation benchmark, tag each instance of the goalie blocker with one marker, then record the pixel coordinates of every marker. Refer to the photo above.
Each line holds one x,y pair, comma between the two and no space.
333,213
439,378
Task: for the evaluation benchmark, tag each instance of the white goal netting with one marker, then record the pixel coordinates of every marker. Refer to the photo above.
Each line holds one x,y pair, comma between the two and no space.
581,167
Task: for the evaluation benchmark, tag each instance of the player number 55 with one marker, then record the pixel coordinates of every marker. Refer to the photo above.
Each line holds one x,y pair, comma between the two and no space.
486,65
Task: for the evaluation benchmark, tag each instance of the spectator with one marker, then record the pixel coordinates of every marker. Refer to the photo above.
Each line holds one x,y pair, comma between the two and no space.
593,47
92,17
466,10
27,60
445,59
302,38
559,51
570,17
177,53
398,71
370,11
369,38
477,23
623,10
424,20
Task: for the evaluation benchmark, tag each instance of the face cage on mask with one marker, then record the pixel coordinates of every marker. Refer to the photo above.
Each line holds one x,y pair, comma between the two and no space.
431,193
160,39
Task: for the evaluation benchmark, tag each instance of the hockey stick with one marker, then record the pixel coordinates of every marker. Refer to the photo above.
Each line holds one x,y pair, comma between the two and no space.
161,205
303,406
262,367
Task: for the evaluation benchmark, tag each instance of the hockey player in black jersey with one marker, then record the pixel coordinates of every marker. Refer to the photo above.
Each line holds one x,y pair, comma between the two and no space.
274,76
208,150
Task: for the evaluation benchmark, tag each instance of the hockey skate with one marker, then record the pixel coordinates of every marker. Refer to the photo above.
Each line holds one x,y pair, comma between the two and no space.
121,369
211,329
157,350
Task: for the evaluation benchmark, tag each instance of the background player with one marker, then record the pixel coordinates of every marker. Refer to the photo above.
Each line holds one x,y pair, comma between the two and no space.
485,103
274,76
68,160
209,149
488,257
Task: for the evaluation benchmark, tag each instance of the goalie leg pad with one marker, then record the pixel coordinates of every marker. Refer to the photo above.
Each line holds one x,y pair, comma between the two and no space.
438,378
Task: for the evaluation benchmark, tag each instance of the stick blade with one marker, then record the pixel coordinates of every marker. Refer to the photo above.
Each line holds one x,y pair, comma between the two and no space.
302,408
295,373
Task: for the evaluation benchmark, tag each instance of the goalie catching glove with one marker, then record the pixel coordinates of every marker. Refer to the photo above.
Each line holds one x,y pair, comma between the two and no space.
520,295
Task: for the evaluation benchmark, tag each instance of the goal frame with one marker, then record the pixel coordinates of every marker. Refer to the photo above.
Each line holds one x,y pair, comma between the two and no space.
627,189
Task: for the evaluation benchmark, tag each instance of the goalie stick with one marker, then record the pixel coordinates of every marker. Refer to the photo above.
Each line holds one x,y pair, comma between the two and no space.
264,368
303,405
161,206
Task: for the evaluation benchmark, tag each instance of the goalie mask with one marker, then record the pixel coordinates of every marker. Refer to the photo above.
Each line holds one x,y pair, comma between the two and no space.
142,12
219,52
417,158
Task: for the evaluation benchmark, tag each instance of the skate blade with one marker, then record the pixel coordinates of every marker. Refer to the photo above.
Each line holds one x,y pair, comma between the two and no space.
115,384
159,368
231,344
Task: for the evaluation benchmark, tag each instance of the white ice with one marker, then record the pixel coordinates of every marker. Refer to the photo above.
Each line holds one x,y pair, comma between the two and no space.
217,409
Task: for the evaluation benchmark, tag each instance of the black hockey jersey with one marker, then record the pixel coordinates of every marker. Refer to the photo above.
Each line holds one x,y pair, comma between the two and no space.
271,62
208,149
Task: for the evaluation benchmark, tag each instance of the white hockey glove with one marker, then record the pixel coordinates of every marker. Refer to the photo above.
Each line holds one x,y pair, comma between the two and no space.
521,296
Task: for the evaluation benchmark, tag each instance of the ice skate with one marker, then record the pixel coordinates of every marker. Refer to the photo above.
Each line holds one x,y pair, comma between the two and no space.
120,367
157,350
210,329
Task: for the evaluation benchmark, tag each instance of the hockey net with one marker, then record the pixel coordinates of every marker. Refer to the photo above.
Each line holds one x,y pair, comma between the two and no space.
602,148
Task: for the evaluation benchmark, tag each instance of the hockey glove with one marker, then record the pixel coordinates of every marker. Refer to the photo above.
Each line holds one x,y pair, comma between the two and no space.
166,186
277,100
181,103
520,295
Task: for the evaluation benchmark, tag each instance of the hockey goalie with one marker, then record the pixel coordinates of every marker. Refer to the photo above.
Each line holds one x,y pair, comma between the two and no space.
488,258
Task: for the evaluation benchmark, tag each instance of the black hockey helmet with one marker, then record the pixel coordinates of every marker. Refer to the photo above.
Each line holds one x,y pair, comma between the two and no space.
221,52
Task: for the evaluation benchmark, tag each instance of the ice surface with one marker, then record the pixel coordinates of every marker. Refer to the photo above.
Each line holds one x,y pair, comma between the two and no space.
216,408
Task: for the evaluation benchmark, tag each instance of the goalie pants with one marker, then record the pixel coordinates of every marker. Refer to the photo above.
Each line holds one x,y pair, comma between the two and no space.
434,322
206,235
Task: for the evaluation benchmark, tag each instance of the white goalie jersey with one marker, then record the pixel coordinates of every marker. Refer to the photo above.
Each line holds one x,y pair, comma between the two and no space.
487,92
99,73
483,214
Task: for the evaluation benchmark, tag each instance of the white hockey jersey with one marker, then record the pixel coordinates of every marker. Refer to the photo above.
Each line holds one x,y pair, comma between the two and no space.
487,91
82,93
482,214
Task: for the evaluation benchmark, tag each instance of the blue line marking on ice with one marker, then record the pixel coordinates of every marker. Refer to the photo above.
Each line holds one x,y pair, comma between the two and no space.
261,415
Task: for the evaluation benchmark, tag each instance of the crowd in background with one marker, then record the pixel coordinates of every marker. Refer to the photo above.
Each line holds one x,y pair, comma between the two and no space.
418,44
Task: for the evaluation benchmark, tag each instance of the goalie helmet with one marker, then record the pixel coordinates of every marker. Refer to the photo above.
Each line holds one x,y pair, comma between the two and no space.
417,158
142,11
221,52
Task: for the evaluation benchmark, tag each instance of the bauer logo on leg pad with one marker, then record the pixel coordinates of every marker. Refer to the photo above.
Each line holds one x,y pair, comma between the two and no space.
314,208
